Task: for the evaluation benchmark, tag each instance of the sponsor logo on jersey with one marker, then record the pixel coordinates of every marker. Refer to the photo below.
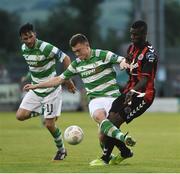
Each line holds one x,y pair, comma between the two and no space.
89,72
31,63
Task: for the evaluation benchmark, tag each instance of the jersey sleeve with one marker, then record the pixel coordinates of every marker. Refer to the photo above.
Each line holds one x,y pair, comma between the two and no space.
113,58
51,51
59,55
150,61
69,72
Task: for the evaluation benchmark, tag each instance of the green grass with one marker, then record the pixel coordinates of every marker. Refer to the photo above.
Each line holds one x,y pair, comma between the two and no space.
28,147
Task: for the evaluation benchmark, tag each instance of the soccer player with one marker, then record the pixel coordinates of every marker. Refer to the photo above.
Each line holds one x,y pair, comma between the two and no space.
41,58
95,68
138,95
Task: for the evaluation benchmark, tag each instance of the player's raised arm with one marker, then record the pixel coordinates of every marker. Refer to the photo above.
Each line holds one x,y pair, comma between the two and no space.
55,81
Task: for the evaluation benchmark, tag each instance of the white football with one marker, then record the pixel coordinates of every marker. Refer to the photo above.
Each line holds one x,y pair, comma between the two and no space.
73,135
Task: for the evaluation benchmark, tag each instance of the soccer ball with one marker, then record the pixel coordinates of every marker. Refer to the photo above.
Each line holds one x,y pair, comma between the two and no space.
73,135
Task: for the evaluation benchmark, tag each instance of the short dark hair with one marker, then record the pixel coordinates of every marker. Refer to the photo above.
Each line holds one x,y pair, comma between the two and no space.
140,25
26,28
77,38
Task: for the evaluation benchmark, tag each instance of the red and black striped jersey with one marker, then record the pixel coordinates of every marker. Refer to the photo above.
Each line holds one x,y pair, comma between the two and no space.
143,62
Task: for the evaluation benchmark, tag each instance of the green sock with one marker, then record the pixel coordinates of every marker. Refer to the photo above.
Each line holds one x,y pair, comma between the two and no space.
110,130
58,139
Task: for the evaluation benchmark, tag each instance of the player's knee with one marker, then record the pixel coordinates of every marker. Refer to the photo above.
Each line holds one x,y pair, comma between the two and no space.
19,116
22,115
99,115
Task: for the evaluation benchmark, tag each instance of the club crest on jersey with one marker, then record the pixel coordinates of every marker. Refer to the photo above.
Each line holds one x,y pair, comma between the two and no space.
140,57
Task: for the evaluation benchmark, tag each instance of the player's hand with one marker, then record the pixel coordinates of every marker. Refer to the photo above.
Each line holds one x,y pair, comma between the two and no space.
70,86
124,64
128,97
27,87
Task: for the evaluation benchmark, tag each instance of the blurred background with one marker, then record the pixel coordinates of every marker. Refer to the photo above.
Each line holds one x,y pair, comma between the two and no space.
106,23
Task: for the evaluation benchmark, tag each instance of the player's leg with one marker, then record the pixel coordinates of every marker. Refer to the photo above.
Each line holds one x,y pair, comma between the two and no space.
29,106
125,152
52,110
117,120
128,113
99,109
109,142
119,115
23,114
57,136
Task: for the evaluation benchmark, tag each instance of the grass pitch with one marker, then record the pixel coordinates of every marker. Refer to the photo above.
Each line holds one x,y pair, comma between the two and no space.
27,147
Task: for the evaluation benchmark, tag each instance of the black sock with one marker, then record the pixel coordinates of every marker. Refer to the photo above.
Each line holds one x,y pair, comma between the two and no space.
109,144
108,148
122,147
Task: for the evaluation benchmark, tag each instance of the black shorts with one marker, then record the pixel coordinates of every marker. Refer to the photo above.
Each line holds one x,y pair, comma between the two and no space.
129,112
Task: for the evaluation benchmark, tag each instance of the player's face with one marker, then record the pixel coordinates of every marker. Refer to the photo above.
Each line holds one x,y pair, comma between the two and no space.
82,50
29,39
138,37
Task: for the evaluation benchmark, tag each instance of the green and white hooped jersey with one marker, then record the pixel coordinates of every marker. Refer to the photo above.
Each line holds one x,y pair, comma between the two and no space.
97,73
41,60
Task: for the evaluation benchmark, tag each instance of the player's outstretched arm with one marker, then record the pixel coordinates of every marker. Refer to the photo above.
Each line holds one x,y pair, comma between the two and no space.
55,81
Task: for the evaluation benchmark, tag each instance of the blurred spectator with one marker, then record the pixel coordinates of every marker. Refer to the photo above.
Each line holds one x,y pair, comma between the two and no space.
4,76
161,79
176,86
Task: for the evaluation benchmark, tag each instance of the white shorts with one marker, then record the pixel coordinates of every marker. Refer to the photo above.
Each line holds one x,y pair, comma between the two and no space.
49,106
100,103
